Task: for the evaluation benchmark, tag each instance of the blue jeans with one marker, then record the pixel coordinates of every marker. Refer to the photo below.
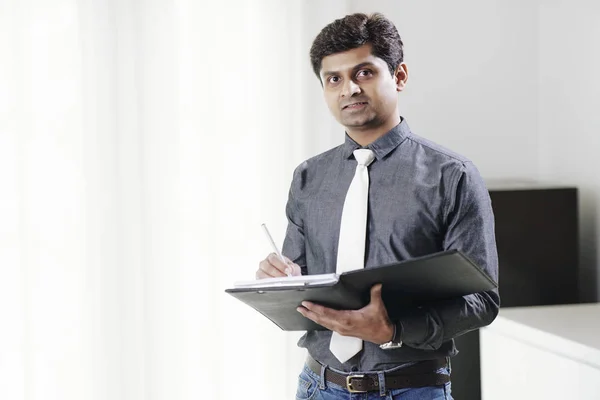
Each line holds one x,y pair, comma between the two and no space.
310,388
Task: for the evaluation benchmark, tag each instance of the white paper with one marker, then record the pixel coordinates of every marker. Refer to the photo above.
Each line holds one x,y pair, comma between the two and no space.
304,280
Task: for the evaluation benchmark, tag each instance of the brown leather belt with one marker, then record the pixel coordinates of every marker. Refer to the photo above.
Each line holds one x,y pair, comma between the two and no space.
419,375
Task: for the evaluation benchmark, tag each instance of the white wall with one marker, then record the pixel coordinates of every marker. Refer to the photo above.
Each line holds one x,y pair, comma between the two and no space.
472,78
569,119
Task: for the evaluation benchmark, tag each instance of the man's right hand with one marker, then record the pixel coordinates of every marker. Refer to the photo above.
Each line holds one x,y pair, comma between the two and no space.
273,267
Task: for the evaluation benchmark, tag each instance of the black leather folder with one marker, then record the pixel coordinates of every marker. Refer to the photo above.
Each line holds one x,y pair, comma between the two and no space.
413,282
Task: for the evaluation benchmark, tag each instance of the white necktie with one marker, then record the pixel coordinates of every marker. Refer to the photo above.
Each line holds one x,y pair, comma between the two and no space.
351,247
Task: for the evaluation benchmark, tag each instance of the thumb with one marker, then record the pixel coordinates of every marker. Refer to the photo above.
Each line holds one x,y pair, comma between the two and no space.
293,267
296,270
376,293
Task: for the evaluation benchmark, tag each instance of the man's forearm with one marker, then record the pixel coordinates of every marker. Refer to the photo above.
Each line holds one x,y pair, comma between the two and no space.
428,327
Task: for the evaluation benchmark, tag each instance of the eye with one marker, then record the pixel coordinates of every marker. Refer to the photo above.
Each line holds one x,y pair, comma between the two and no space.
333,80
364,73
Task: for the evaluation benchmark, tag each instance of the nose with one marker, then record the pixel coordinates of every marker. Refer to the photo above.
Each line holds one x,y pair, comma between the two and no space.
350,88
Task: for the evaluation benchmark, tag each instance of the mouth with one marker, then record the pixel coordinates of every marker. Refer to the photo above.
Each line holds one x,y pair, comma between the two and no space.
353,106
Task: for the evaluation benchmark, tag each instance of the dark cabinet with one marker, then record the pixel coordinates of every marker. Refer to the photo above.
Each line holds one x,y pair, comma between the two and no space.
537,239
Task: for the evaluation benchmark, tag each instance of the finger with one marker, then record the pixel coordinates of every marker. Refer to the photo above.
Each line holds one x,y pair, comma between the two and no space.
277,263
295,268
322,310
319,319
269,269
260,274
341,324
291,267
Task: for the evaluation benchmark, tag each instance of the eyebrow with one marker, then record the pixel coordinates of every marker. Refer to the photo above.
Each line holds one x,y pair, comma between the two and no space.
355,68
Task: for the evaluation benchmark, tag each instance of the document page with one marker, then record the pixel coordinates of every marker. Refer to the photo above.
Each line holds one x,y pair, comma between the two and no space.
284,281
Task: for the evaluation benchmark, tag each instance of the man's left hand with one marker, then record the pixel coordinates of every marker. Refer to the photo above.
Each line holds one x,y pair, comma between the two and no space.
370,323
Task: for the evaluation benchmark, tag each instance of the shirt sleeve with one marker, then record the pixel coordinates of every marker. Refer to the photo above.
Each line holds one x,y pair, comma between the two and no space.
294,242
470,229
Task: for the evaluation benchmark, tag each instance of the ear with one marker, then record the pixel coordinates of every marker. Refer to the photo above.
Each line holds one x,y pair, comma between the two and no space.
401,77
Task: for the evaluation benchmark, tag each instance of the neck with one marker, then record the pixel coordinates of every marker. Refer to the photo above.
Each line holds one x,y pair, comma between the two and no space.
367,135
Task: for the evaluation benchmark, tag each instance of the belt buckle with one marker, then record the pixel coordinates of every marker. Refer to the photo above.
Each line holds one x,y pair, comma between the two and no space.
349,384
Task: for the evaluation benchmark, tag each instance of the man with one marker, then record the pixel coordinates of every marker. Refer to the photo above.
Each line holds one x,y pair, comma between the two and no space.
422,199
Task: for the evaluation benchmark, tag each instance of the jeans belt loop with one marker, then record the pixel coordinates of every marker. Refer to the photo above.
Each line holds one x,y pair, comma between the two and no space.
381,378
323,384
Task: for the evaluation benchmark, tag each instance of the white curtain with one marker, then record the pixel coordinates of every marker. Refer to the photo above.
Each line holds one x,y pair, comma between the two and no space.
142,143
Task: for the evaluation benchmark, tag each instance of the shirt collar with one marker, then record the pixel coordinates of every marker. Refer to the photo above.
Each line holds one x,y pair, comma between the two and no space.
383,145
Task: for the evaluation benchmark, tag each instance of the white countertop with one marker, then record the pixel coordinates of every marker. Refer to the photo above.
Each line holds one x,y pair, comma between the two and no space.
522,184
569,330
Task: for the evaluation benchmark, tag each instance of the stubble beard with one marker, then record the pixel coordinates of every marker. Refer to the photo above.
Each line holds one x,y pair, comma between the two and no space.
365,120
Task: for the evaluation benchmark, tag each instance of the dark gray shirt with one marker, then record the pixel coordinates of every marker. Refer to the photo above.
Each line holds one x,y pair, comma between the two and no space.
422,199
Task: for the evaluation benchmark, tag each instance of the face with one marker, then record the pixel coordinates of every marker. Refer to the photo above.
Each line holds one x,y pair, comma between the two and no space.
359,89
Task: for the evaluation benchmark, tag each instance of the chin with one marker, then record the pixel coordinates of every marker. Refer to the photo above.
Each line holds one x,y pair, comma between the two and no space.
358,123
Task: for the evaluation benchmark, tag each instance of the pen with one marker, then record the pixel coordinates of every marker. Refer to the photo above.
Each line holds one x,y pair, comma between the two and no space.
264,226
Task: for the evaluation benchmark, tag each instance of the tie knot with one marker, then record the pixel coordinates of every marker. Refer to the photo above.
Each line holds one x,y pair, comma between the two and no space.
364,156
